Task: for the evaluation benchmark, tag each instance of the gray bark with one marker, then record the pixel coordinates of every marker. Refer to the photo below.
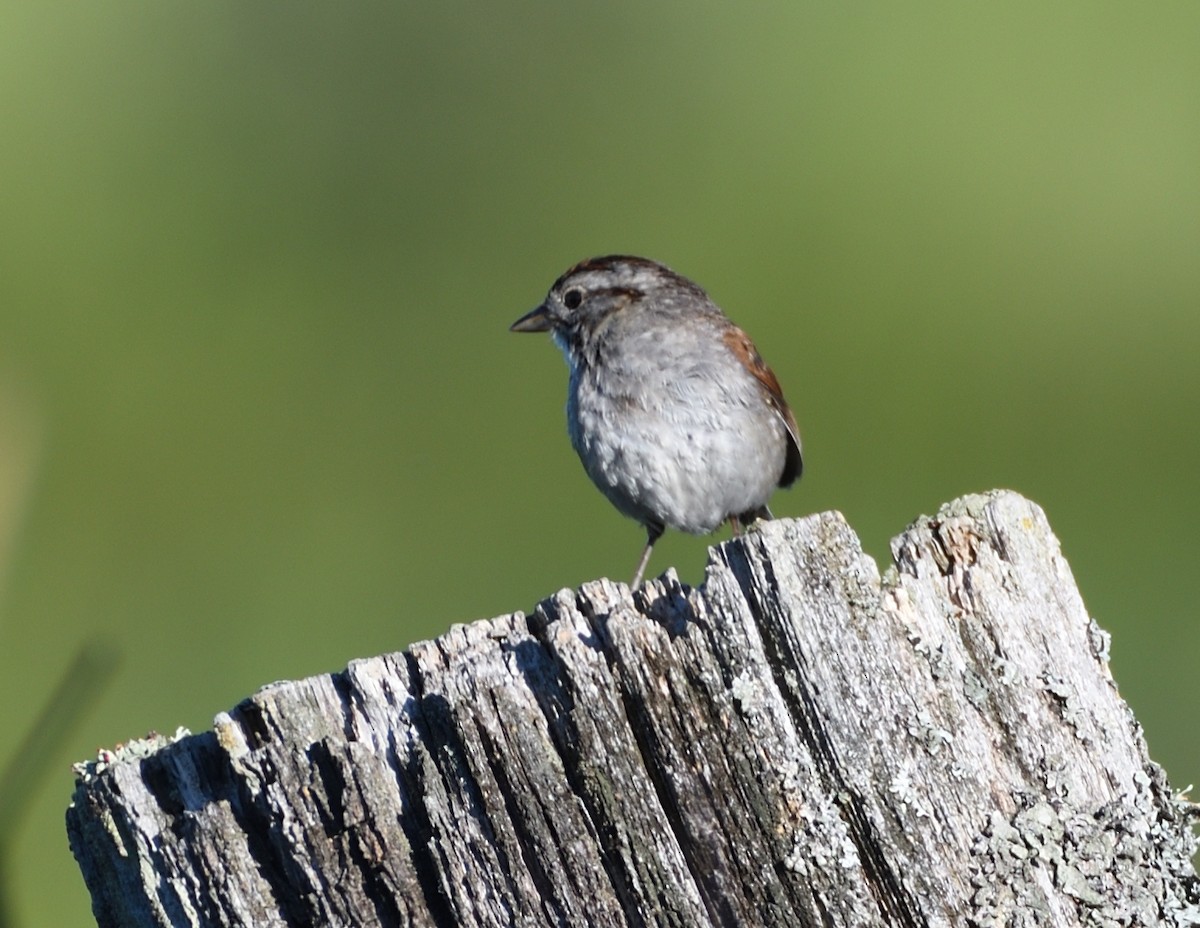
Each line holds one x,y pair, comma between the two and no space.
799,741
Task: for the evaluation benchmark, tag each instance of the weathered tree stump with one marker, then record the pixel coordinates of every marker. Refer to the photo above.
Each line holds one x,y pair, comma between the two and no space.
797,742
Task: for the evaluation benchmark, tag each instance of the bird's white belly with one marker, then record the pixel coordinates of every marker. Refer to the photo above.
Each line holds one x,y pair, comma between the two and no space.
668,467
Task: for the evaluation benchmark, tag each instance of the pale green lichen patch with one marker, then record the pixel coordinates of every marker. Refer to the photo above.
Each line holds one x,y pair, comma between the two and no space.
138,749
1116,865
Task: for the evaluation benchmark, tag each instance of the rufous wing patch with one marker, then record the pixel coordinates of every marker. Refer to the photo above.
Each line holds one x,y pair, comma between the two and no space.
743,349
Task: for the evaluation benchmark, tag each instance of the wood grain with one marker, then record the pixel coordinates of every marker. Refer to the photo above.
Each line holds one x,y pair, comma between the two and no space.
799,741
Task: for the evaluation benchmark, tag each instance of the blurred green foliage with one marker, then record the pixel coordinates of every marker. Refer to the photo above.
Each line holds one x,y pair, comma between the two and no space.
260,414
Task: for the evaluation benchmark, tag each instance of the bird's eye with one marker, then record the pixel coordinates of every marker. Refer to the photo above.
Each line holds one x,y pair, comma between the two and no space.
572,298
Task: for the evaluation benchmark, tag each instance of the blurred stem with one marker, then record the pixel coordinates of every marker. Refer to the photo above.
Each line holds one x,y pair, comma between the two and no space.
92,668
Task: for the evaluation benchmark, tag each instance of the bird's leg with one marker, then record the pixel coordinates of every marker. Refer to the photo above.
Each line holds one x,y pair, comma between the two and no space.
748,521
653,533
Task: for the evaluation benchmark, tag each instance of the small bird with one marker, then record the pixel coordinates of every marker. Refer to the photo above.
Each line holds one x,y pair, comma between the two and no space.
676,417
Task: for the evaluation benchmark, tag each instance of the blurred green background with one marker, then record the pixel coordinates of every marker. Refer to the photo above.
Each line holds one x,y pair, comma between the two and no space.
260,413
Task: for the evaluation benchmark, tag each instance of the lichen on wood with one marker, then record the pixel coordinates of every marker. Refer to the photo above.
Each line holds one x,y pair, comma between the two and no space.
798,741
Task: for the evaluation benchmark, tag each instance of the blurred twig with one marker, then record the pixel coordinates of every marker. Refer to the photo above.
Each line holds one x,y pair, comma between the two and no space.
91,669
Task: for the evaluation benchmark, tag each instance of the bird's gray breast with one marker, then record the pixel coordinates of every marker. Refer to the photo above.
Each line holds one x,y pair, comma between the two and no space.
673,430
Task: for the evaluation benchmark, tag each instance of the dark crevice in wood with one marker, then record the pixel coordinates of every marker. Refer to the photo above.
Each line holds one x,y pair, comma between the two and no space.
345,692
894,902
556,699
642,728
526,839
675,613
256,820
415,822
449,760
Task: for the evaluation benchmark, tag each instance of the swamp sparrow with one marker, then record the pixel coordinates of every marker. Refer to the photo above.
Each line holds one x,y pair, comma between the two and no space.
675,416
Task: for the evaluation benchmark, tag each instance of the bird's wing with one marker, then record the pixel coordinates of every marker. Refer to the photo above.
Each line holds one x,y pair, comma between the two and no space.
743,348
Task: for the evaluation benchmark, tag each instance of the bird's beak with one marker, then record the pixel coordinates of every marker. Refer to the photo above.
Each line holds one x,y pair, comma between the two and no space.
536,320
